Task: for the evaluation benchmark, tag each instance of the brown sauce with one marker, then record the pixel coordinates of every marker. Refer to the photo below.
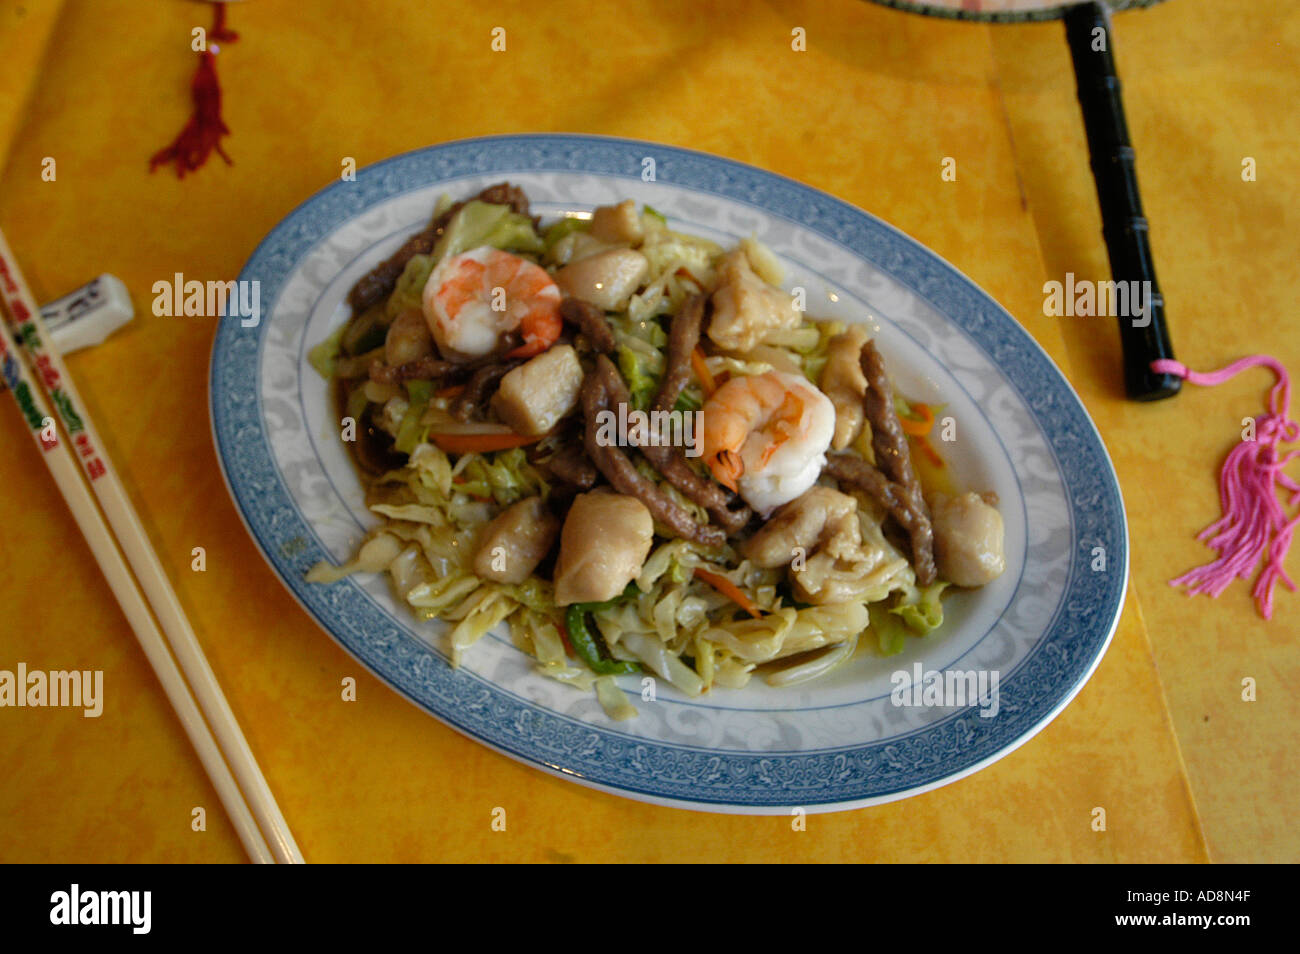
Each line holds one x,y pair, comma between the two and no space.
372,451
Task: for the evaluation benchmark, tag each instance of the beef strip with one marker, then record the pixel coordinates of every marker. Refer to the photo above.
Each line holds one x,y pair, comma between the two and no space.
892,481
683,336
591,321
503,193
603,390
888,439
570,465
427,368
479,388
430,368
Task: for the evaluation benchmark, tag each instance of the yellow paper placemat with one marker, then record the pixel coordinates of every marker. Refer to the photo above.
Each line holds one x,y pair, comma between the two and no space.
868,111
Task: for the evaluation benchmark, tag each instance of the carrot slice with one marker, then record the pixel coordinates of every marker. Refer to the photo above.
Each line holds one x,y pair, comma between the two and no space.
912,426
931,454
702,372
564,636
730,590
449,392
480,443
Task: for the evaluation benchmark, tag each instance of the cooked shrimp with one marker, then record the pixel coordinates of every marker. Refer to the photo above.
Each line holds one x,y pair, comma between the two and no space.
766,435
472,299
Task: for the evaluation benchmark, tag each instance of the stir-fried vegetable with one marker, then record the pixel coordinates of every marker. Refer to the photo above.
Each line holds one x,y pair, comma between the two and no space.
480,443
702,372
587,644
480,223
482,450
729,590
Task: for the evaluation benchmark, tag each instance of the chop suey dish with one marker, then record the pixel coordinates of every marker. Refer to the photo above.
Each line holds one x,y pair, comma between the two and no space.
632,446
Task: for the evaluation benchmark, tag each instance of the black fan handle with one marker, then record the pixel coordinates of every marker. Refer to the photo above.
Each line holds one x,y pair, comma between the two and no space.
1144,338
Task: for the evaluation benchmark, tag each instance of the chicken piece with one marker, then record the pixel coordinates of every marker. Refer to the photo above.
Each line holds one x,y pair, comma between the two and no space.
968,540
617,223
535,396
607,279
818,535
778,359
604,543
799,525
511,546
747,309
576,246
845,384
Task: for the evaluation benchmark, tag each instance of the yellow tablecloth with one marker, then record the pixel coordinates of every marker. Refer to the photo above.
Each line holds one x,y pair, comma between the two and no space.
1160,737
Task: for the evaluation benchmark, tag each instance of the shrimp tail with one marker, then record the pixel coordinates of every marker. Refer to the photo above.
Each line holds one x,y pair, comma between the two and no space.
727,467
540,332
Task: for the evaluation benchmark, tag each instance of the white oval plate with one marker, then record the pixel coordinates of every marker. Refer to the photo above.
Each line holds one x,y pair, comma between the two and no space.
839,743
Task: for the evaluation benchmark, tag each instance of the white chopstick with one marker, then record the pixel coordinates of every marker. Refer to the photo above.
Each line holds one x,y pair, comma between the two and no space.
24,315
58,457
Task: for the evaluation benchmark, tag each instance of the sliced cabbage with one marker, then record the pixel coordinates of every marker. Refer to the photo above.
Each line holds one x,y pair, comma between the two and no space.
813,362
374,557
541,636
654,654
680,265
408,293
788,631
412,430
438,596
481,223
577,245
409,570
416,513
393,413
432,469
535,593
816,666
506,476
563,227
704,661
924,613
720,364
730,671
325,355
763,262
578,677
482,611
801,340
613,699
641,370
664,613
672,558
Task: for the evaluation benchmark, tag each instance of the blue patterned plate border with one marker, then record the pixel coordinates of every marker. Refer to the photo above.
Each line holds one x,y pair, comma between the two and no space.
692,777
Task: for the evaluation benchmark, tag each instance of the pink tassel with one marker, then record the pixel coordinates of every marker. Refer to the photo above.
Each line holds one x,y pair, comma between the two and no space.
1253,522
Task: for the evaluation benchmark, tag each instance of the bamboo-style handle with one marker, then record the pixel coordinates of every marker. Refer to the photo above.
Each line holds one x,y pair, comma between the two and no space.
1144,338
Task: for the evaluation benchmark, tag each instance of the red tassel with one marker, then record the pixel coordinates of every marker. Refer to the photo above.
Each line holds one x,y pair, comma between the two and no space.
1253,523
202,134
